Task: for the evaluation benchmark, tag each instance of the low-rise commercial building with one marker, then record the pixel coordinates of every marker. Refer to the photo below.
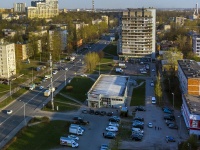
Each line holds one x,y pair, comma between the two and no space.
108,91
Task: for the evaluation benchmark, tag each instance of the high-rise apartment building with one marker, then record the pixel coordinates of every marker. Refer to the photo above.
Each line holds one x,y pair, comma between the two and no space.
196,45
43,9
19,7
137,34
7,60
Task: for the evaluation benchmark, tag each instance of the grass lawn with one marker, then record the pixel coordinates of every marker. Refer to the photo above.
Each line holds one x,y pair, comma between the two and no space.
63,104
10,99
138,96
111,49
81,86
43,136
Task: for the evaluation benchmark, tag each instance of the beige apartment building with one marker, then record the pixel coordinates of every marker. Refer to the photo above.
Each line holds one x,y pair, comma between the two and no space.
43,9
7,60
137,34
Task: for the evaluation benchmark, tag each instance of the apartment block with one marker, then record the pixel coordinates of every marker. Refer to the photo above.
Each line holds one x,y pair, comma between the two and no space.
19,7
137,34
43,9
62,35
189,76
7,60
196,45
21,51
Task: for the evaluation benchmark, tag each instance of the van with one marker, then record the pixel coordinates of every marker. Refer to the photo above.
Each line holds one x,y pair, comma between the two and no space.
153,100
137,130
68,142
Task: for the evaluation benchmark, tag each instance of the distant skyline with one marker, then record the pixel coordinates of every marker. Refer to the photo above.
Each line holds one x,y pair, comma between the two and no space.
111,4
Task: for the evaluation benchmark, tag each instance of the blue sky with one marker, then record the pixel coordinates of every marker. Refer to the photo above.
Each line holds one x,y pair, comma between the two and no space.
71,4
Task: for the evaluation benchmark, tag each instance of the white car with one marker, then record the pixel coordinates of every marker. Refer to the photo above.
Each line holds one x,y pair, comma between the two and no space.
55,72
66,69
9,112
113,124
152,84
153,70
112,128
73,137
84,75
150,125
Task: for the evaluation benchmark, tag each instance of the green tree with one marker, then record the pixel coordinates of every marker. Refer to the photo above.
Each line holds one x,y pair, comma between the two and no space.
91,60
158,89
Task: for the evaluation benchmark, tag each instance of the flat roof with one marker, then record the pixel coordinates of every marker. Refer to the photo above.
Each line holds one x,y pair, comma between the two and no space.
110,85
193,103
190,68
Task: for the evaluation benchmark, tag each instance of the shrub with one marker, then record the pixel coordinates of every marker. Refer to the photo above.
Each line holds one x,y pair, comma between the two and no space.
45,119
69,88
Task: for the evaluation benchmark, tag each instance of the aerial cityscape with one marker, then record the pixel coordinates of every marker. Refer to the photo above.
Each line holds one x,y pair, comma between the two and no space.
91,74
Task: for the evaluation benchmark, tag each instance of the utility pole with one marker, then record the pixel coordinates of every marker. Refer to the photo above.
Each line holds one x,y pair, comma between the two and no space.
51,87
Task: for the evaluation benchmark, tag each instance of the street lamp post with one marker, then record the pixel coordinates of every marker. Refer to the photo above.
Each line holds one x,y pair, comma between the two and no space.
99,68
169,85
65,77
179,126
10,88
173,99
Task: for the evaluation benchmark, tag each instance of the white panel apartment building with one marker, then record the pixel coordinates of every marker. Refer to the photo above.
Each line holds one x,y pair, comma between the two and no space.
19,7
7,60
138,33
196,45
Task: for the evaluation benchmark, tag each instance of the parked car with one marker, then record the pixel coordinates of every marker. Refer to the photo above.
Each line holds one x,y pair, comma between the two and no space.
169,122
112,129
138,122
114,119
41,87
84,111
138,118
97,112
170,139
109,113
165,107
152,84
73,137
136,137
138,126
167,111
140,108
91,111
81,122
113,124
76,118
173,126
110,135
102,113
138,133
104,147
169,117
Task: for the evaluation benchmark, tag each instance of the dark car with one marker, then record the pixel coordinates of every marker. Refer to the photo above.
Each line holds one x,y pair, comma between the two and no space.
169,117
110,135
81,122
169,122
91,111
102,113
114,119
138,118
84,111
138,126
173,126
136,137
165,107
97,112
170,139
140,108
109,113
167,111
77,118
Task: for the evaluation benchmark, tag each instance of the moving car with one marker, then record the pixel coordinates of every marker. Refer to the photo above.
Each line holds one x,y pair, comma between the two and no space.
139,108
150,125
81,122
170,139
9,112
110,135
73,137
112,128
76,118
